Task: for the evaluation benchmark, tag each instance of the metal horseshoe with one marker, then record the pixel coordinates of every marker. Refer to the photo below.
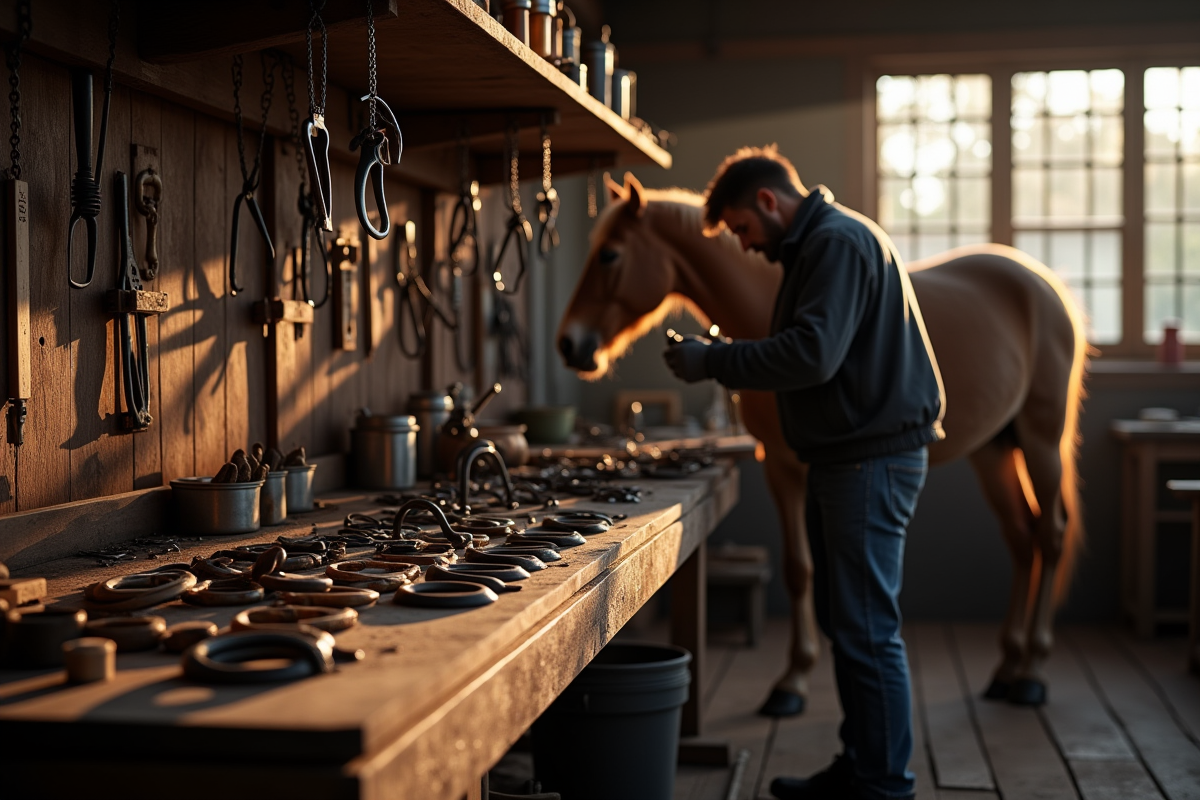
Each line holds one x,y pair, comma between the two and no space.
148,206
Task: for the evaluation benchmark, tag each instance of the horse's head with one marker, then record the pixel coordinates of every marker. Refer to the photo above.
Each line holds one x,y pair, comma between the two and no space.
626,287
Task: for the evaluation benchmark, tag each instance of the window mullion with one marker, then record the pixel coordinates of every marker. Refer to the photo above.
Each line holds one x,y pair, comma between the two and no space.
1002,208
1133,232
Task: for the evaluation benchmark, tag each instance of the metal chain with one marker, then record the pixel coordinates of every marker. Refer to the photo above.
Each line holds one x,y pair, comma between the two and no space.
371,84
268,97
114,23
287,69
237,111
314,108
545,159
514,166
24,27
268,77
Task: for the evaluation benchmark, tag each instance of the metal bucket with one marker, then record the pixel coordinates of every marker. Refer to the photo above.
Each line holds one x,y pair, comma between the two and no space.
385,451
274,498
217,508
300,488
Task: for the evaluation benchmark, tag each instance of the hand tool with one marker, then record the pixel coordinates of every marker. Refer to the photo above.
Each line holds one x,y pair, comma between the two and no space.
250,178
316,135
135,367
16,197
548,200
518,231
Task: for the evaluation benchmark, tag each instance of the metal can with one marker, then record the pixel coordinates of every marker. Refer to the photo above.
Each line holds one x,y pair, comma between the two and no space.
542,27
432,410
385,451
516,18
601,60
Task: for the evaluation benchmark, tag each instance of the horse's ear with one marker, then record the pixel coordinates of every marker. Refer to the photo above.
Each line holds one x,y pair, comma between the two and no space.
615,190
637,195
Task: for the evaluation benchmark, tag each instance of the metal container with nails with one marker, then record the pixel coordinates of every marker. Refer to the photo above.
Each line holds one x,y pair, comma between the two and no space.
209,508
300,488
432,410
274,498
384,451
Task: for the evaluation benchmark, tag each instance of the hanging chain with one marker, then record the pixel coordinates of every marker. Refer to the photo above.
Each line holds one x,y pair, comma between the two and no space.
24,27
545,159
268,77
315,108
287,69
514,166
371,84
114,24
593,210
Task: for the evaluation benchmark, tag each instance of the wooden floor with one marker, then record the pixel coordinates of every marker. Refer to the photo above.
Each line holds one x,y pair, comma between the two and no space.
1122,722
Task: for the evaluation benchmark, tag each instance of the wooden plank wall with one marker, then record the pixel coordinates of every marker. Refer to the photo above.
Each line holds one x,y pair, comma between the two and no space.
211,388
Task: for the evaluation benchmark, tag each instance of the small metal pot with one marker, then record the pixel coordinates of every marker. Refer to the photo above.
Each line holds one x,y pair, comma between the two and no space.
300,488
273,507
209,508
510,441
385,451
432,410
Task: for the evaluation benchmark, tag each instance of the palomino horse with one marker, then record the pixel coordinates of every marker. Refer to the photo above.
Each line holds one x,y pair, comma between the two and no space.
1011,349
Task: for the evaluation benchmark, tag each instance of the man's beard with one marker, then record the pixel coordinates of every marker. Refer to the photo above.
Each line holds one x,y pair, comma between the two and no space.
773,233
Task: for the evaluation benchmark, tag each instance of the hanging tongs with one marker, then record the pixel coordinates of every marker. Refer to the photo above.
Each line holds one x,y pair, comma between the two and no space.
380,144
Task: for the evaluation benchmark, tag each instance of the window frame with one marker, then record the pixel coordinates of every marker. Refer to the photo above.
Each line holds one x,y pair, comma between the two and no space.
1000,66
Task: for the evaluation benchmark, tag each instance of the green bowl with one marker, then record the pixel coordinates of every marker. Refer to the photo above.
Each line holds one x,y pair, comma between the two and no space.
547,424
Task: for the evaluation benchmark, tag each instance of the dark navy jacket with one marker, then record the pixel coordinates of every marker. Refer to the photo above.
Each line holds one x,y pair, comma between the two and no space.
848,358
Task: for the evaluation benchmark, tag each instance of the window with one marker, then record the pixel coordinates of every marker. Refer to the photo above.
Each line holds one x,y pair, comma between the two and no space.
1067,182
935,161
1172,201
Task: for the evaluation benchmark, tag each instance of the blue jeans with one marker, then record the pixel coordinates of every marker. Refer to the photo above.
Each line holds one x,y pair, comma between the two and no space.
857,514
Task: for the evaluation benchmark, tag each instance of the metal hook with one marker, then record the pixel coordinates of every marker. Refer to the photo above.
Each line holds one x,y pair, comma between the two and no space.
317,135
147,206
247,196
376,152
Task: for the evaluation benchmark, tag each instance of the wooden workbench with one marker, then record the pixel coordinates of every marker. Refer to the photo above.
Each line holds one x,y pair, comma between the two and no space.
440,697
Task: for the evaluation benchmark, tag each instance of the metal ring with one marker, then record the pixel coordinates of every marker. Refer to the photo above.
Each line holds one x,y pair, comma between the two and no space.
319,618
337,597
505,572
287,582
547,554
271,560
578,521
559,538
444,594
230,592
130,633
141,590
185,634
223,659
360,571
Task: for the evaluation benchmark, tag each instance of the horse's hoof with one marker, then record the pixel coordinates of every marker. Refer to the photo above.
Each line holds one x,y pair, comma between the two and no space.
1027,692
782,704
998,690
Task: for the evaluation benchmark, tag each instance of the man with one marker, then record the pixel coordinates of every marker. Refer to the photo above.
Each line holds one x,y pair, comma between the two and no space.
859,398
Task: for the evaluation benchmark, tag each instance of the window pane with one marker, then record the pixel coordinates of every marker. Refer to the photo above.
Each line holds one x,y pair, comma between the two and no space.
1108,90
903,244
1191,251
975,201
1104,312
897,149
1162,87
1162,132
1189,133
934,101
1029,189
974,145
1068,193
1106,256
1066,255
1191,313
1191,187
1106,193
1068,139
1160,188
894,96
930,244
894,211
1160,249
1029,93
929,198
1160,305
1190,92
1067,93
935,149
1108,139
1031,242
973,96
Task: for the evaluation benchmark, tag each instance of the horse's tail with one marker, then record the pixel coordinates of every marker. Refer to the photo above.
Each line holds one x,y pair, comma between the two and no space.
1068,447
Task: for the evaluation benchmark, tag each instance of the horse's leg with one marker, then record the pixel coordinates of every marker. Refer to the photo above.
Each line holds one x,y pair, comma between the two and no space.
1043,462
995,465
787,480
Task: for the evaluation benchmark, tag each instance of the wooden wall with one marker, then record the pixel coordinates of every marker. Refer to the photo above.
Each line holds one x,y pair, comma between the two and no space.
210,388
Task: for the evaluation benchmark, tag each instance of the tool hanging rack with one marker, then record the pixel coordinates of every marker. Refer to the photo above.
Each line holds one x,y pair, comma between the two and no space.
440,61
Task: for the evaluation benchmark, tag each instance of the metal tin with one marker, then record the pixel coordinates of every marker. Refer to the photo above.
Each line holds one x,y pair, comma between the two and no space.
299,483
273,506
516,18
572,45
542,27
601,60
431,409
385,451
624,93
217,508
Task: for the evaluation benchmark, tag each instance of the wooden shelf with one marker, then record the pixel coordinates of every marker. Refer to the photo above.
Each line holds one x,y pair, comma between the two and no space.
435,57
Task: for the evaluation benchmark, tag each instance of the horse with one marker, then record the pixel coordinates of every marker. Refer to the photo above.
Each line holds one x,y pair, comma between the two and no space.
1011,348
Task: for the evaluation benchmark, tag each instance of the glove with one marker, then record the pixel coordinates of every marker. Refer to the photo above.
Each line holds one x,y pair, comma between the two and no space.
687,357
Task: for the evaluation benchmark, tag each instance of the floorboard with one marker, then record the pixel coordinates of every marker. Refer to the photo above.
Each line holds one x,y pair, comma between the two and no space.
1172,758
1166,664
1024,759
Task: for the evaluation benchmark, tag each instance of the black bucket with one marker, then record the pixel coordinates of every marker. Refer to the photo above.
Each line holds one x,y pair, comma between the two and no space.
614,732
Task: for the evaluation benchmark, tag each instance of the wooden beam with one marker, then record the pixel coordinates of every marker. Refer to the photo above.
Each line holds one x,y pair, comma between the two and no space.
169,33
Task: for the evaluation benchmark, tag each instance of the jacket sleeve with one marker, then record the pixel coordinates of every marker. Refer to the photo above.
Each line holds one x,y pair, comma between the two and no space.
814,341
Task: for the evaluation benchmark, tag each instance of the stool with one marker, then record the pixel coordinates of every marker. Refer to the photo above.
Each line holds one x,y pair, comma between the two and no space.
743,567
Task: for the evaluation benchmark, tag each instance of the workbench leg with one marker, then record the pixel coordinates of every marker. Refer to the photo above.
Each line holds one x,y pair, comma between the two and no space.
689,618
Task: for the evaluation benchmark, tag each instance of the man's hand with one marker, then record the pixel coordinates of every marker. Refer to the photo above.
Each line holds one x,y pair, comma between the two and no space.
686,356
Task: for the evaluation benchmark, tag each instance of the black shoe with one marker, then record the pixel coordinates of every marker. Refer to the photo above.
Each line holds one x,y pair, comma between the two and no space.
832,783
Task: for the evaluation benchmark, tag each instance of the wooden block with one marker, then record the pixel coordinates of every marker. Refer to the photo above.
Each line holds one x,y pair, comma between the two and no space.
122,301
19,591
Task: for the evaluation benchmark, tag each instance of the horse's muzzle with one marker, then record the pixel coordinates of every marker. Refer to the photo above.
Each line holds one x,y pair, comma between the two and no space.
578,350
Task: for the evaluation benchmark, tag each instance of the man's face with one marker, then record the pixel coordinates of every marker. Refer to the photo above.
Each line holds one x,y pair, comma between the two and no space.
758,227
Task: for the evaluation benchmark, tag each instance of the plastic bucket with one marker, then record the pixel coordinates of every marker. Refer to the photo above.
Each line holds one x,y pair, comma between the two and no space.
614,732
